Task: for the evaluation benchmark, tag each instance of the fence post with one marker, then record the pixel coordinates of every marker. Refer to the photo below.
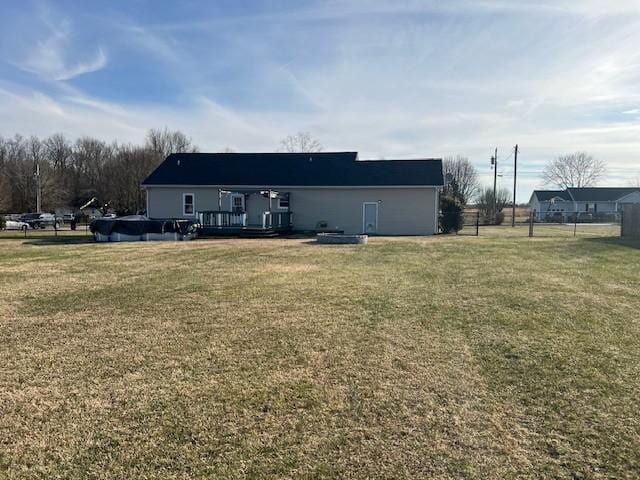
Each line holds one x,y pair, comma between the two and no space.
531,214
622,222
575,225
478,223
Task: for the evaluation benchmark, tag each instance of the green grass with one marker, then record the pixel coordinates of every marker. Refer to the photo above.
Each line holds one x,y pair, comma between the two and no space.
451,357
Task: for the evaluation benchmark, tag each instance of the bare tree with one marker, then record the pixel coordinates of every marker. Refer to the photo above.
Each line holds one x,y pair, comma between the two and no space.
58,151
635,182
25,155
88,160
485,203
123,174
6,194
463,183
300,142
165,142
578,169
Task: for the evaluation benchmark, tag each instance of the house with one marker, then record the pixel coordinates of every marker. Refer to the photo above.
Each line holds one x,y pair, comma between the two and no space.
272,192
603,203
548,203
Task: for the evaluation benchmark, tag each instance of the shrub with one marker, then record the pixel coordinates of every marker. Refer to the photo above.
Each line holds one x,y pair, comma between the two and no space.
486,204
3,223
451,219
499,218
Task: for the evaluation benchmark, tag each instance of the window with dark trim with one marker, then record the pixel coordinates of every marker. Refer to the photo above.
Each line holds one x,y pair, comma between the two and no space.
187,204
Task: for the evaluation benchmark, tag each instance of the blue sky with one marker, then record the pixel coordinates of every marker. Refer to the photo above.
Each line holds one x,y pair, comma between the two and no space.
394,79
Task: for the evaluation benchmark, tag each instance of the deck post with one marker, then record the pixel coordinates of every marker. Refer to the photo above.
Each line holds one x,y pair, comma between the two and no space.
219,199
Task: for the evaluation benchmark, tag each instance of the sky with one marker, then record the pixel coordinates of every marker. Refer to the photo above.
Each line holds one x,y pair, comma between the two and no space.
389,79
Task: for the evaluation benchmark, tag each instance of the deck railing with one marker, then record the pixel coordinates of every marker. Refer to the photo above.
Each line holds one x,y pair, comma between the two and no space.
223,219
276,220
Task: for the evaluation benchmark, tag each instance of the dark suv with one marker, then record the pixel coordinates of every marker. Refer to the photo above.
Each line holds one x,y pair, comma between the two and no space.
40,220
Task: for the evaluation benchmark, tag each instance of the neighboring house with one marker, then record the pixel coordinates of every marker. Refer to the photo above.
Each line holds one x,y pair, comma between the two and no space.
550,202
591,202
239,192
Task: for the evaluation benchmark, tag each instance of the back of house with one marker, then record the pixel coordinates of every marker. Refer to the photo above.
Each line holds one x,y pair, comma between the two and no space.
328,191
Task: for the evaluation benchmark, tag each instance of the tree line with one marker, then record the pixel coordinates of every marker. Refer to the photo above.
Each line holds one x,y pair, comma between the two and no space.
71,173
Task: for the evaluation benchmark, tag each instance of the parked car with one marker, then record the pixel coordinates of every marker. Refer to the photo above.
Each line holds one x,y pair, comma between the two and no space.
15,225
69,217
554,217
40,220
585,217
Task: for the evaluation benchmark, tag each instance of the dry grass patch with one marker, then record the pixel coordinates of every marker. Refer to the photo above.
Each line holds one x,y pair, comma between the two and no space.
497,357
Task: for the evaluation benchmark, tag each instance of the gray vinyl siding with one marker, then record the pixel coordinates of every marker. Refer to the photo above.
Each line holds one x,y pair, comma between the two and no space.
543,207
603,207
401,211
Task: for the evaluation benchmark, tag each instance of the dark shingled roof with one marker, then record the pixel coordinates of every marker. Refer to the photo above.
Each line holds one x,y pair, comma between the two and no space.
293,169
546,195
600,194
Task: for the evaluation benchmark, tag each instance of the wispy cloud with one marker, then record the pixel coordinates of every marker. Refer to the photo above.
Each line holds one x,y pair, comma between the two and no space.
50,58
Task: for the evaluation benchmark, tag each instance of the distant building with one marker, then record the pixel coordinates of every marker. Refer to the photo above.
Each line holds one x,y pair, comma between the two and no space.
589,202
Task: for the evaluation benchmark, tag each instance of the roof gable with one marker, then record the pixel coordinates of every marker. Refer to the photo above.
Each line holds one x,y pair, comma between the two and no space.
293,169
633,197
547,195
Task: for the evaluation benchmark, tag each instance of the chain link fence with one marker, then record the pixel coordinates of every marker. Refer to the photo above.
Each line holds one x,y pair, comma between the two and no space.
576,224
57,230
535,224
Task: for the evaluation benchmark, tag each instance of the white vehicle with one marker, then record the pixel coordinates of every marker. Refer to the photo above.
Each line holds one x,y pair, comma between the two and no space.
15,225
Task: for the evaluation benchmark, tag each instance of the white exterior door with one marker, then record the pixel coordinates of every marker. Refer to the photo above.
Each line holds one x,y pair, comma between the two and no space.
370,217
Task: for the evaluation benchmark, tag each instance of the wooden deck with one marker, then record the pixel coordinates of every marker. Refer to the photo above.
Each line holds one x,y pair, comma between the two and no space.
221,223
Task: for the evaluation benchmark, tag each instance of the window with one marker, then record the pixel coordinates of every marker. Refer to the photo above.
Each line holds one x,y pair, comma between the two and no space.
283,203
237,202
586,207
595,208
188,204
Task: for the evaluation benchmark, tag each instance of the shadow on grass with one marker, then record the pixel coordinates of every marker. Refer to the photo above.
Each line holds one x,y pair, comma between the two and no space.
63,240
617,241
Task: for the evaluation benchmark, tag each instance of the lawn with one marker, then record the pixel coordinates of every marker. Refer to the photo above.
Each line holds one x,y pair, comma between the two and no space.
447,357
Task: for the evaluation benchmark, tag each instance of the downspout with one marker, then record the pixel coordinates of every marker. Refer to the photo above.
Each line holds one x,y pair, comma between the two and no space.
437,210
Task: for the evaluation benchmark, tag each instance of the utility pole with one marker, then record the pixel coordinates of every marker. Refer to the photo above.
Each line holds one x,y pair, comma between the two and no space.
38,189
515,176
494,161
